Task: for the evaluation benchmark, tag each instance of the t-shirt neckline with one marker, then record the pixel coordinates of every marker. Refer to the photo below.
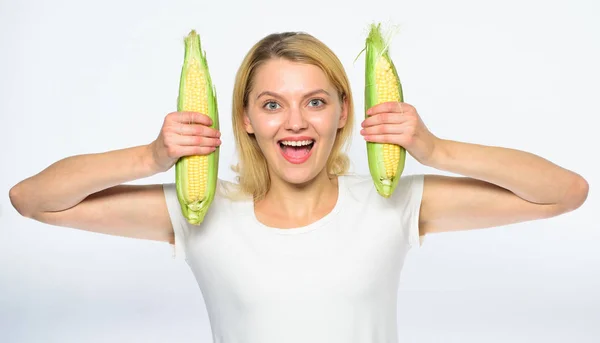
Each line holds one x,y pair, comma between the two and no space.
306,228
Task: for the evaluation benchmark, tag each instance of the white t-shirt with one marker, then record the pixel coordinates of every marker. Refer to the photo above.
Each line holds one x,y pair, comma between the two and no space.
333,281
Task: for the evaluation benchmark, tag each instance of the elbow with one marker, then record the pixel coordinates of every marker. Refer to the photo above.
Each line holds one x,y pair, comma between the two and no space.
16,201
576,195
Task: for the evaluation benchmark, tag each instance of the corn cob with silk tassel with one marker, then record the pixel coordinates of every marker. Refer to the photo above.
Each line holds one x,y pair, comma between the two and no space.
196,176
382,84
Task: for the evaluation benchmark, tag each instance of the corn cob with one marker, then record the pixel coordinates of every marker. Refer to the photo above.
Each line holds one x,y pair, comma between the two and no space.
196,176
382,84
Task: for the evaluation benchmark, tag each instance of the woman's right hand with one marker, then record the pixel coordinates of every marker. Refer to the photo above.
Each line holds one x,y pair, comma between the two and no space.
183,134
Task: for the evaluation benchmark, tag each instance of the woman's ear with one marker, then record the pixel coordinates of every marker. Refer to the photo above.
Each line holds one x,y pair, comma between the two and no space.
247,123
344,113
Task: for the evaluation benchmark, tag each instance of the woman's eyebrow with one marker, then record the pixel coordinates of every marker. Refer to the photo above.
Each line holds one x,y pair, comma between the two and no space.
311,93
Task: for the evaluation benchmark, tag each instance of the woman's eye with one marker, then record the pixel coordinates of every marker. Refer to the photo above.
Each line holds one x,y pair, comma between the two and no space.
316,102
271,105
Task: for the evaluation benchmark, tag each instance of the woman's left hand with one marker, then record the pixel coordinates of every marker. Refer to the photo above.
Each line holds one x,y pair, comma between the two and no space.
399,123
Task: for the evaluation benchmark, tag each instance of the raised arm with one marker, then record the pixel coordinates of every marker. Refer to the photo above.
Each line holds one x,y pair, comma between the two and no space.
497,186
87,191
500,186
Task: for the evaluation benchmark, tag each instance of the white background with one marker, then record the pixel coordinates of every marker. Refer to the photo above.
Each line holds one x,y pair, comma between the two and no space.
81,77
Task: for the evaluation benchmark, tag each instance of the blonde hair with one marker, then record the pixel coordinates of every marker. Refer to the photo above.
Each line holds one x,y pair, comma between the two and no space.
253,175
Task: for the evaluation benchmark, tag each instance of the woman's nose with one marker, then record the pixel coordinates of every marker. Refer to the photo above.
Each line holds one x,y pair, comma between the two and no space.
296,120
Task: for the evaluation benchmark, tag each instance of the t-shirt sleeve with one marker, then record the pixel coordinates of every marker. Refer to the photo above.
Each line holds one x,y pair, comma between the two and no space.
409,194
180,227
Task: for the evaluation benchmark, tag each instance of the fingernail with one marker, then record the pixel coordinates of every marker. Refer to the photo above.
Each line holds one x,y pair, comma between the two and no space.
362,132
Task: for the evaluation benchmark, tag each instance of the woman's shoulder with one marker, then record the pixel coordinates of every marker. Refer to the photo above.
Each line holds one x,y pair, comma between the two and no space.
362,186
230,191
354,180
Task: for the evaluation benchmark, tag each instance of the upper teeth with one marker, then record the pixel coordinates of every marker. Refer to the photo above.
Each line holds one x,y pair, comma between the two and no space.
296,143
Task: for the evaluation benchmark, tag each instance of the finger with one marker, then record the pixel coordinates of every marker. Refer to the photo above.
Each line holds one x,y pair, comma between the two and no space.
390,106
383,129
196,141
384,138
190,118
384,118
196,130
194,150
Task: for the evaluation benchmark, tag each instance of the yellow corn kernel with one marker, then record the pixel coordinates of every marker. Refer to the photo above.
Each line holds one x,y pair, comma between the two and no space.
387,90
195,99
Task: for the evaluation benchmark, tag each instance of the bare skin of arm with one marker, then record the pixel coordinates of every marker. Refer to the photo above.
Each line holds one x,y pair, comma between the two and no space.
499,186
88,191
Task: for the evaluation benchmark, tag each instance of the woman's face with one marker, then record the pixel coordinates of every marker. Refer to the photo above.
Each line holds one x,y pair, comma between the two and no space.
294,112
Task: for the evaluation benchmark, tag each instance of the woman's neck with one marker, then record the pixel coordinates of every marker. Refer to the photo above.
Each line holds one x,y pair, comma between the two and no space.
298,205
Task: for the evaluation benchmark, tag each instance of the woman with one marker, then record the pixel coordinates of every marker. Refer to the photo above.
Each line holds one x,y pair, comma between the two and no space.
299,250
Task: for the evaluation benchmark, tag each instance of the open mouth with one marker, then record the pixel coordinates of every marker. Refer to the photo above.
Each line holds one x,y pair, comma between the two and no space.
296,151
